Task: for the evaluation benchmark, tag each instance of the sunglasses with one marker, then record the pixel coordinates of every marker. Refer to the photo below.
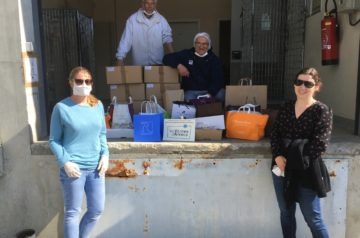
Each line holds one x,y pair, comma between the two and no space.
81,81
307,84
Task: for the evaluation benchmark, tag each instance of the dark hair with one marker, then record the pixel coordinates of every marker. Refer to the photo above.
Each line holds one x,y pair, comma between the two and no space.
91,99
313,73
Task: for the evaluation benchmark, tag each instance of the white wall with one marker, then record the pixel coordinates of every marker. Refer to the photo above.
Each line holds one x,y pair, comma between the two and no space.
340,81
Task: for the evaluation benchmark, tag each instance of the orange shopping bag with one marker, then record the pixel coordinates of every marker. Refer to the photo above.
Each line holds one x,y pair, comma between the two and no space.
245,124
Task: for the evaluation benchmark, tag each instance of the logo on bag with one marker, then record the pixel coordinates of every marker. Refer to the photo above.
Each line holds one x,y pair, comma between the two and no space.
147,128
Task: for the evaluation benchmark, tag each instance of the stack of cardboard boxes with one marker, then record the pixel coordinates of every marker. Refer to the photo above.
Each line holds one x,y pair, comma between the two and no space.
141,82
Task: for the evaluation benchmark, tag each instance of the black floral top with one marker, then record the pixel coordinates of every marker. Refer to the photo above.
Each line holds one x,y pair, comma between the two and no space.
314,124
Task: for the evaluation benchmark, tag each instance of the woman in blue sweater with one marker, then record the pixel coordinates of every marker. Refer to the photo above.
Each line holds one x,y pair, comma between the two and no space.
78,141
200,69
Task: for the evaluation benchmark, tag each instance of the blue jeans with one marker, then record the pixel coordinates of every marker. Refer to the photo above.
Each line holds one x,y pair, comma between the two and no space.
73,190
309,204
193,94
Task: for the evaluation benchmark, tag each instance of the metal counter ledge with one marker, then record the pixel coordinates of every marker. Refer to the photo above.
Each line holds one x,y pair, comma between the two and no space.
204,189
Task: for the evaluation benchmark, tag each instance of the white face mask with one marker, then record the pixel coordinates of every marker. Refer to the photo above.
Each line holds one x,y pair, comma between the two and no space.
149,14
203,55
82,90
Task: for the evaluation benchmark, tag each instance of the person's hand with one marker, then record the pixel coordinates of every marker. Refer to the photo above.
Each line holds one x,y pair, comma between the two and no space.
72,169
280,162
120,62
183,71
103,165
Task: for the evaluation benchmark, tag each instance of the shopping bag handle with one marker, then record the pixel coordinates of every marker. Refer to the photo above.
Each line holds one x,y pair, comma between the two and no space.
248,108
153,99
130,100
151,106
114,100
247,79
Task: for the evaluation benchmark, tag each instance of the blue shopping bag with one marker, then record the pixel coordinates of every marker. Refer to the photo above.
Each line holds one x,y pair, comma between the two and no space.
149,123
148,127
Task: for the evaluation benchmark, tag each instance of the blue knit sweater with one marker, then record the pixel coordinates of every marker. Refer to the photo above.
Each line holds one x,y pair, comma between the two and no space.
78,133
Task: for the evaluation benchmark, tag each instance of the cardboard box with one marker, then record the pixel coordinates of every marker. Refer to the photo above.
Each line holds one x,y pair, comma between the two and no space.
212,122
170,96
123,91
158,89
208,134
137,106
124,74
160,74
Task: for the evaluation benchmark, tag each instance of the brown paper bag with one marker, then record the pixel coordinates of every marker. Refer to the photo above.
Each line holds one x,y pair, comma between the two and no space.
243,94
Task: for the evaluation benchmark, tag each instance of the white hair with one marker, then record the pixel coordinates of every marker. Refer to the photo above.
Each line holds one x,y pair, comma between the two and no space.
203,34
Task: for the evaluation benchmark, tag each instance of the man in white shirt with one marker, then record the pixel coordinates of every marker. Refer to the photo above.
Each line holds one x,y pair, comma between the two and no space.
146,34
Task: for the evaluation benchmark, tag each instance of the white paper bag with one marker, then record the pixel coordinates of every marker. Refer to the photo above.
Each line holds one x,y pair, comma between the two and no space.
182,110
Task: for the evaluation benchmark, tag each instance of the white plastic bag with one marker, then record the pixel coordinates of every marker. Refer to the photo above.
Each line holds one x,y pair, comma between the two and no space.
122,115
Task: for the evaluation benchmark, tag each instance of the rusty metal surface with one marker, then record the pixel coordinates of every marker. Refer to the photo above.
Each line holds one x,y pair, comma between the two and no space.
186,197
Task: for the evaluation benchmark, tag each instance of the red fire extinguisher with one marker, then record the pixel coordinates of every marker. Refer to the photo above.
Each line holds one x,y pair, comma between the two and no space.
330,37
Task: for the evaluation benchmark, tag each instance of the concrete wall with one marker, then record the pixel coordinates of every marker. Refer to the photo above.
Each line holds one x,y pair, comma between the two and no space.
16,200
224,191
340,81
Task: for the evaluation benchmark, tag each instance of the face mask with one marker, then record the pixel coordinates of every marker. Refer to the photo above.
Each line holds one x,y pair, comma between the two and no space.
149,14
82,90
203,55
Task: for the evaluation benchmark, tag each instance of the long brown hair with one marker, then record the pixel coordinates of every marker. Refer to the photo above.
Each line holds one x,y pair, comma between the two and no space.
91,99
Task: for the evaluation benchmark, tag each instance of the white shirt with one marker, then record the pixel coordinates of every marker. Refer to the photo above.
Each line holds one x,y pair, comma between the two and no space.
145,37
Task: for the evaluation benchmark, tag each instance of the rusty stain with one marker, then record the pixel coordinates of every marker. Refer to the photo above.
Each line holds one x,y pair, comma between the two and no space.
146,172
119,170
337,161
332,173
179,164
146,165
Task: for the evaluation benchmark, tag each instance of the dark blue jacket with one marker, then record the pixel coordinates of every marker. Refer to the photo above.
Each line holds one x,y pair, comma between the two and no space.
206,73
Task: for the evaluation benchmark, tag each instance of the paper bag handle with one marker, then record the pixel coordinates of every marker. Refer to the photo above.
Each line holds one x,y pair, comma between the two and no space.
242,80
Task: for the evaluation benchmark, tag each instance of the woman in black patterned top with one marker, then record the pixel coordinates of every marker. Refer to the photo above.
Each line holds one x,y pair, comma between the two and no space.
299,137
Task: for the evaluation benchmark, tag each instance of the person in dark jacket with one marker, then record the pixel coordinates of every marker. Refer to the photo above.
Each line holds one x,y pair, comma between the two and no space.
200,69
300,136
